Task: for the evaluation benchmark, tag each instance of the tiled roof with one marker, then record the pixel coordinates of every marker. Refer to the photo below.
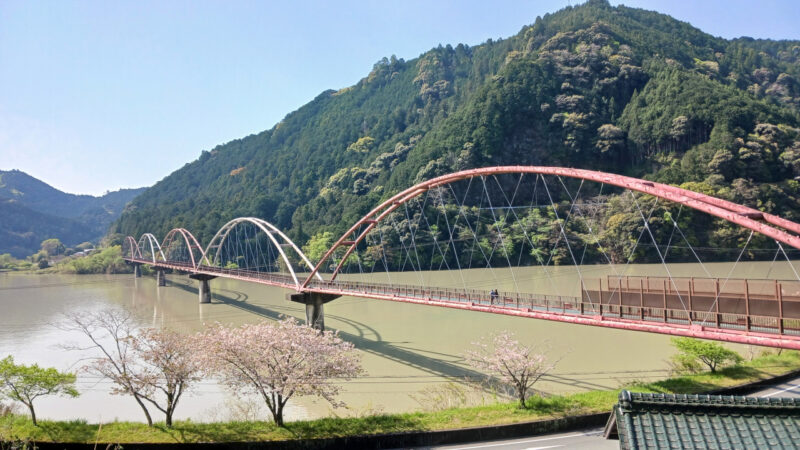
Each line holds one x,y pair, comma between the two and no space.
706,421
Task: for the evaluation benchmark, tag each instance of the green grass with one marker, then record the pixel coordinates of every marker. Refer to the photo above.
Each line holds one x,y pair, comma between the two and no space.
14,427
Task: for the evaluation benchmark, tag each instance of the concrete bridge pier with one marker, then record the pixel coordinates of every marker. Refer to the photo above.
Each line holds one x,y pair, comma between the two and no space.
204,290
161,279
137,270
314,302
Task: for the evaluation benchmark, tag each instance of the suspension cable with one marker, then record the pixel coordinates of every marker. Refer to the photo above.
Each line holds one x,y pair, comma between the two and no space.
500,233
725,283
663,261
566,240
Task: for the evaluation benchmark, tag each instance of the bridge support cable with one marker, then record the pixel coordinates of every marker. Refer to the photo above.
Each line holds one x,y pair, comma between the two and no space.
412,231
522,226
689,245
727,278
672,232
629,258
588,225
552,206
383,247
539,259
407,253
566,240
500,235
789,261
774,259
450,232
661,257
432,233
474,233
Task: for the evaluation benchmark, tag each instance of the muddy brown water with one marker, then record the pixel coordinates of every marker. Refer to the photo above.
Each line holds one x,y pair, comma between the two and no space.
406,349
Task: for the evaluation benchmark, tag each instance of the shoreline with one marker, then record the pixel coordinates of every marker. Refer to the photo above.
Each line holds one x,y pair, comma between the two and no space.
557,413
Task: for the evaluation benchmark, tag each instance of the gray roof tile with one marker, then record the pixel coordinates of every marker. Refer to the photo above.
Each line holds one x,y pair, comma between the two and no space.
665,421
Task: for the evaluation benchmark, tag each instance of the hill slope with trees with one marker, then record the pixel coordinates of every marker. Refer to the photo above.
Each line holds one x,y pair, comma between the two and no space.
33,211
617,89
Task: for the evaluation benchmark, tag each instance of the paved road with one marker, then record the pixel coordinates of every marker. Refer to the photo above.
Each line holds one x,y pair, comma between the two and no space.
593,438
584,439
790,388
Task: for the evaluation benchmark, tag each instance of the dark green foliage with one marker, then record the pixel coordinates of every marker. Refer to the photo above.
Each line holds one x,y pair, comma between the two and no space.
609,88
33,211
22,230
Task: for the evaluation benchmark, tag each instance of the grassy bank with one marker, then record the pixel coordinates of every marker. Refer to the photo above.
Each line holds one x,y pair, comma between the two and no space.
20,427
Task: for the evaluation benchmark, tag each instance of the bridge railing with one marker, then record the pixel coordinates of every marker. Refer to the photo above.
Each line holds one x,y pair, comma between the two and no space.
608,300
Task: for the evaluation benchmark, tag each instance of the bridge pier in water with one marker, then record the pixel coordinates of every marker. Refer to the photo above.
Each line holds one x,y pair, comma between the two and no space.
161,279
204,290
137,270
314,302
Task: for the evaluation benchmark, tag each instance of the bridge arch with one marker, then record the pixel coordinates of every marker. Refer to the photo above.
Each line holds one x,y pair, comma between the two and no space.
150,249
775,227
181,247
216,244
130,248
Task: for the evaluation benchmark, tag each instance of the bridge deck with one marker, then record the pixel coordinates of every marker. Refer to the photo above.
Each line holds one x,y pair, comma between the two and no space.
749,316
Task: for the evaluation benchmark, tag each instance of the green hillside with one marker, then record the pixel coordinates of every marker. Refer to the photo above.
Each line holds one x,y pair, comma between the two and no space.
32,211
610,88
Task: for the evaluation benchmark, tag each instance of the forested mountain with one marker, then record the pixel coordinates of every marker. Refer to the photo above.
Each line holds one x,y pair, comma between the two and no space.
32,211
610,88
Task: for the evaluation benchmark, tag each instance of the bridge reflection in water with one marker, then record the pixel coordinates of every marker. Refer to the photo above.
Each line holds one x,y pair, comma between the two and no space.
758,312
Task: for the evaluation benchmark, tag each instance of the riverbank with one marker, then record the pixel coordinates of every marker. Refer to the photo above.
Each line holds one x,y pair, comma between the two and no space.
17,427
106,260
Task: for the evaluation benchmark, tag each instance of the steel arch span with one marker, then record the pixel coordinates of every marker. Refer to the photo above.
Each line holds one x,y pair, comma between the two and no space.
180,247
216,244
754,311
130,248
777,228
149,248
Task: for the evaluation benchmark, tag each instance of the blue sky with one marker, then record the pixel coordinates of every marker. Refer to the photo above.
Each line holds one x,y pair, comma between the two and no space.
98,95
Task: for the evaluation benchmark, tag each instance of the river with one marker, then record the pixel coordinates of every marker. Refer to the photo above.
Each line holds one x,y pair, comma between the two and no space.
407,350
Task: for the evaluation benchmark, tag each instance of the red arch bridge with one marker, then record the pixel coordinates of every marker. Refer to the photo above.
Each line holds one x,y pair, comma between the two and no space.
546,243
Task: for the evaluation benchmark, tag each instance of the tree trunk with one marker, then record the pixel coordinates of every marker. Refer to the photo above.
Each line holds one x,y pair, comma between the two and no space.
170,409
33,414
146,412
278,416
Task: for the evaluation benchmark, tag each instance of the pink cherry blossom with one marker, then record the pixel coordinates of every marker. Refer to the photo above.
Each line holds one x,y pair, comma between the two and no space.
279,361
510,361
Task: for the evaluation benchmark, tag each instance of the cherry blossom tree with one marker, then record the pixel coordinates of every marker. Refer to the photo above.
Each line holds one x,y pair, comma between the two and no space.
153,366
167,366
280,361
110,333
512,362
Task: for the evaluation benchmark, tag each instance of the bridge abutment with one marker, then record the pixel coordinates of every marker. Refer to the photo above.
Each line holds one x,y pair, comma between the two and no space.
161,279
204,289
314,302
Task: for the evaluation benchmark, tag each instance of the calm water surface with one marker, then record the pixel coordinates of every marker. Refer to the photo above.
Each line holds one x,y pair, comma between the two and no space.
405,348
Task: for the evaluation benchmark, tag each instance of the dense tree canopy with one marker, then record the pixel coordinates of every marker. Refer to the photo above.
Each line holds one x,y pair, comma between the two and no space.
611,88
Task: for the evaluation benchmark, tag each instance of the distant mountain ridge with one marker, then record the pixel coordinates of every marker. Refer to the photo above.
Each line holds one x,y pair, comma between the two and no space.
32,211
610,88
